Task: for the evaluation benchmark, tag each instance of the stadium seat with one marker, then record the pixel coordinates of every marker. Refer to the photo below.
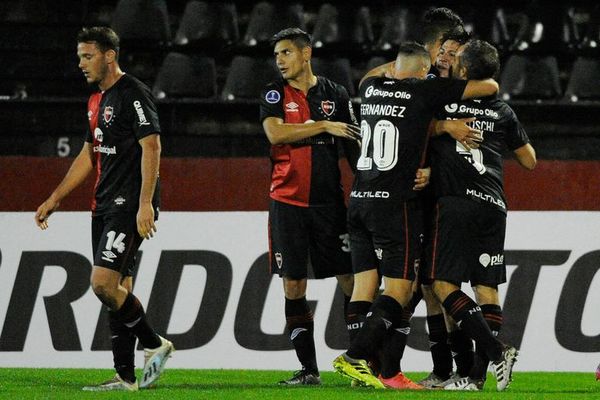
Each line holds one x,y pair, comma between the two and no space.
337,69
143,64
182,75
142,23
247,77
208,24
399,25
591,39
342,26
530,77
584,81
266,19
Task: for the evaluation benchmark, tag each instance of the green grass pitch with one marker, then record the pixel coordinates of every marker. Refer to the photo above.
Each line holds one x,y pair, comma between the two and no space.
24,383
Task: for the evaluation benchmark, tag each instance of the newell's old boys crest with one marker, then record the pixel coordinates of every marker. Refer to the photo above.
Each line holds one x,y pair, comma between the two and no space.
328,107
108,114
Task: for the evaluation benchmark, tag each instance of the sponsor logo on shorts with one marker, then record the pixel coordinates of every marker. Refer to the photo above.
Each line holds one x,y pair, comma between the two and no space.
379,254
272,96
108,255
490,260
279,260
120,201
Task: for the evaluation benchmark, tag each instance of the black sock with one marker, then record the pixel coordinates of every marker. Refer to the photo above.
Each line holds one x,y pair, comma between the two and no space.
461,346
415,300
356,314
467,315
380,318
132,315
300,326
492,314
439,347
123,348
393,346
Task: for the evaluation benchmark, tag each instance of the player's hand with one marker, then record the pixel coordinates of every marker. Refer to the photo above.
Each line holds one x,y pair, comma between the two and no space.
341,129
145,221
422,178
464,134
44,211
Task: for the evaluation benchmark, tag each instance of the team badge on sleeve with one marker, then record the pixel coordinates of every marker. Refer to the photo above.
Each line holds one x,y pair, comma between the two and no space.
272,96
328,107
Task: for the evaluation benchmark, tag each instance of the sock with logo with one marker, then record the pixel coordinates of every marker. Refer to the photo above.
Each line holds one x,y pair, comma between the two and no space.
462,349
132,315
439,347
123,348
300,326
469,318
492,313
356,314
393,346
379,320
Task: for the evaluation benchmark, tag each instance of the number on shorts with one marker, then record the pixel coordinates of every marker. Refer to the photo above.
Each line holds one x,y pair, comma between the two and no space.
115,241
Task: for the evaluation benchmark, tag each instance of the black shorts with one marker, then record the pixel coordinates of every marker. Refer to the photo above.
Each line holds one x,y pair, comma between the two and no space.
467,243
295,233
386,236
115,242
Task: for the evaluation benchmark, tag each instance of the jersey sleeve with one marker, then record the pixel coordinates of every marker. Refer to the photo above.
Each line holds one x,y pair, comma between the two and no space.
442,91
515,134
271,102
145,113
346,110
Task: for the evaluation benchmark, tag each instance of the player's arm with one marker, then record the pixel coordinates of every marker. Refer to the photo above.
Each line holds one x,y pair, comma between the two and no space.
79,170
150,166
526,156
279,132
381,70
459,130
480,88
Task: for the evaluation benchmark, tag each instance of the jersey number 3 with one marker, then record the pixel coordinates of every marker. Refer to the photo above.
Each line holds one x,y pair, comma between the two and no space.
384,136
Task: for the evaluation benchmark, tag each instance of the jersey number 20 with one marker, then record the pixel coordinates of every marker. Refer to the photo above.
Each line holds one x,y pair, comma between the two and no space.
384,136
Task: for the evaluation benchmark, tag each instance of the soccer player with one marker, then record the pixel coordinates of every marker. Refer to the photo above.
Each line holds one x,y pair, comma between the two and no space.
445,339
305,117
123,146
384,215
470,221
436,23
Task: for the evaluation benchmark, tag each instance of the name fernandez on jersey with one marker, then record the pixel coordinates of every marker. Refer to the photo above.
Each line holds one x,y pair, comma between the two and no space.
387,110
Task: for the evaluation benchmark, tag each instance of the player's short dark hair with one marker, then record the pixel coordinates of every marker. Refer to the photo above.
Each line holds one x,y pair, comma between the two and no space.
438,21
412,49
104,37
296,35
480,59
457,34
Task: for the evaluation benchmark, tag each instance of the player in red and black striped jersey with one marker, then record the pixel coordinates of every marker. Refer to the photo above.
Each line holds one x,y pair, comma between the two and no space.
123,146
385,223
305,117
467,242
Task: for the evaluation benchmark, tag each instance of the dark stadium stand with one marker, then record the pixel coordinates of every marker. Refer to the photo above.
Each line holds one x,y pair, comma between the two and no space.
208,60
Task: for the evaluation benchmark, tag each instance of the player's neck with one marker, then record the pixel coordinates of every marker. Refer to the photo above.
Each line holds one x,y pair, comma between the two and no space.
304,81
113,75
